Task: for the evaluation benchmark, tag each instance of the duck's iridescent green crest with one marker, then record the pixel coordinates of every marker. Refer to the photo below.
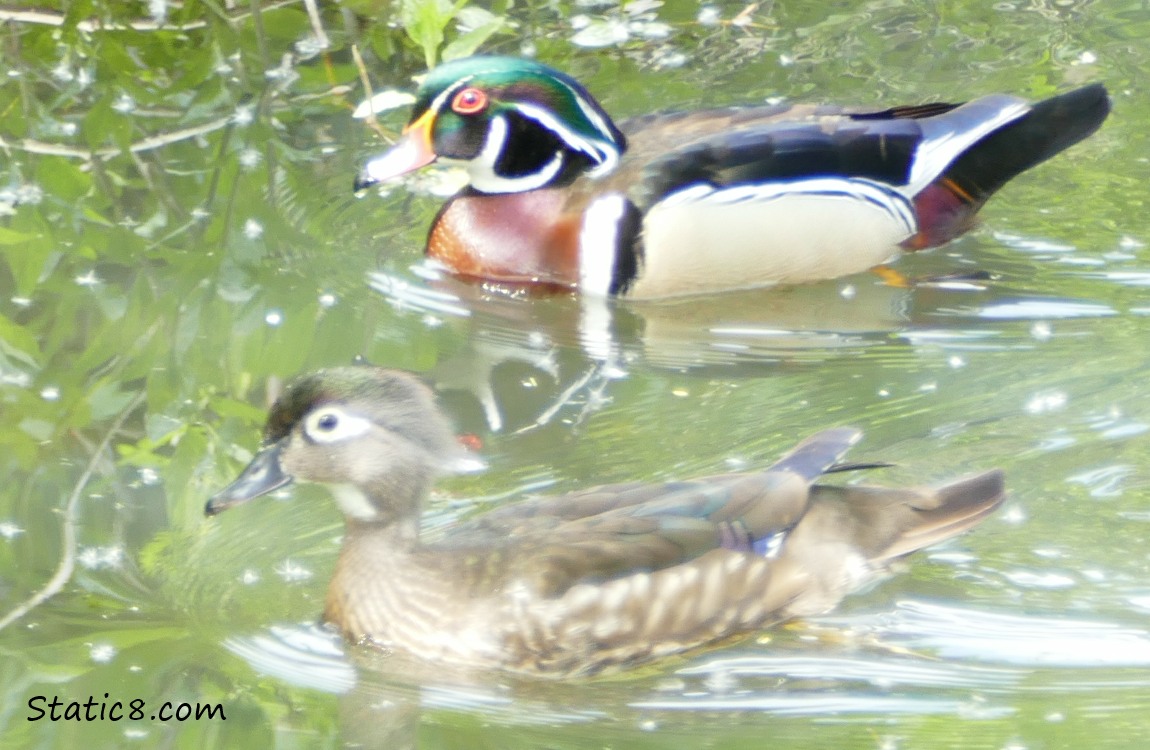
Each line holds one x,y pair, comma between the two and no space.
594,580
694,202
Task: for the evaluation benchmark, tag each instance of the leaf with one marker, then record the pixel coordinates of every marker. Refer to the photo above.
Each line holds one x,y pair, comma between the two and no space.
12,237
425,21
468,42
18,343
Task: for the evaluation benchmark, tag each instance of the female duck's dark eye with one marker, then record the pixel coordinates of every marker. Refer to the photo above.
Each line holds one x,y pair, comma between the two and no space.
469,102
327,422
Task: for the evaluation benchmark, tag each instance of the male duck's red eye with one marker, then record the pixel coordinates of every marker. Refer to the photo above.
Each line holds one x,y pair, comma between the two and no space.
469,101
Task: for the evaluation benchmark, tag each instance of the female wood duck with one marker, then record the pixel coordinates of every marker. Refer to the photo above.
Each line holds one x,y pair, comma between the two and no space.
593,580
697,202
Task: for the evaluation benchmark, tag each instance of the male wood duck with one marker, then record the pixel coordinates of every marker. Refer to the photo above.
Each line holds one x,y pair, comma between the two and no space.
698,202
593,580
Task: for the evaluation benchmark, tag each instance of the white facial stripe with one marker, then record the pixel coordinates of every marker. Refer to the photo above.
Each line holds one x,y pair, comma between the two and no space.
438,102
604,154
599,243
331,424
482,167
589,111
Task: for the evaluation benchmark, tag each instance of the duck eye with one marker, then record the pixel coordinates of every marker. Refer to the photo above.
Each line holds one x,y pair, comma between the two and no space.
331,425
469,102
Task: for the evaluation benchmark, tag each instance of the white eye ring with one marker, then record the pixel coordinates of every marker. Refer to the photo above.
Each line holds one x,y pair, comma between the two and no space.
332,424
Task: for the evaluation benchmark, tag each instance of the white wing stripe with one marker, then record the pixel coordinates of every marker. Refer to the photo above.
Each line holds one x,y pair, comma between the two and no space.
894,202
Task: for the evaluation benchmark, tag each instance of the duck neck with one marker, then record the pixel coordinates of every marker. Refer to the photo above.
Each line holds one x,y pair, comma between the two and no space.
389,513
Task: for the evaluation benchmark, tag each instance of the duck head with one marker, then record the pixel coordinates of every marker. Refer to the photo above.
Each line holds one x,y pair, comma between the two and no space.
375,436
515,125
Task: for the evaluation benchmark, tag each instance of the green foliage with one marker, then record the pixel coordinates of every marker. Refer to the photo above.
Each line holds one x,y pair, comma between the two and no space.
176,221
426,22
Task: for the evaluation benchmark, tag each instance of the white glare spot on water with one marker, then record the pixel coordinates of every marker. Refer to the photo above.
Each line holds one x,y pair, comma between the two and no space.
1087,58
708,16
89,279
310,46
883,393
135,734
1013,515
249,577
292,572
63,72
680,392
930,387
21,301
98,558
1140,602
721,681
124,104
1046,580
10,530
1129,243
952,557
25,194
1104,482
149,476
432,321
327,300
158,10
650,29
15,378
285,74
956,362
250,158
382,102
253,230
669,57
244,115
50,393
1041,331
1036,308
601,33
786,60
102,653
1040,403
848,292
274,317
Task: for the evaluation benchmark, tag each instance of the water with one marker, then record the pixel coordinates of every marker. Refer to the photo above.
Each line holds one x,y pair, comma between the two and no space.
151,303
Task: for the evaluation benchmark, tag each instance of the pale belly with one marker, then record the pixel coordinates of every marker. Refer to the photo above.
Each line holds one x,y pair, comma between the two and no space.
704,240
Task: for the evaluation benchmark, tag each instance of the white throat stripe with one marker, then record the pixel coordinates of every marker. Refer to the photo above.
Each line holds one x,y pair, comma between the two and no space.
482,167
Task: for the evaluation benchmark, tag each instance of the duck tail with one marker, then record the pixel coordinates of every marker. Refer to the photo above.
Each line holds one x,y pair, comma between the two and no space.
1051,126
946,511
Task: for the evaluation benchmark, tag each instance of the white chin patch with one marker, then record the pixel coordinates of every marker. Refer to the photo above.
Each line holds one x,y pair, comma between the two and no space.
353,502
